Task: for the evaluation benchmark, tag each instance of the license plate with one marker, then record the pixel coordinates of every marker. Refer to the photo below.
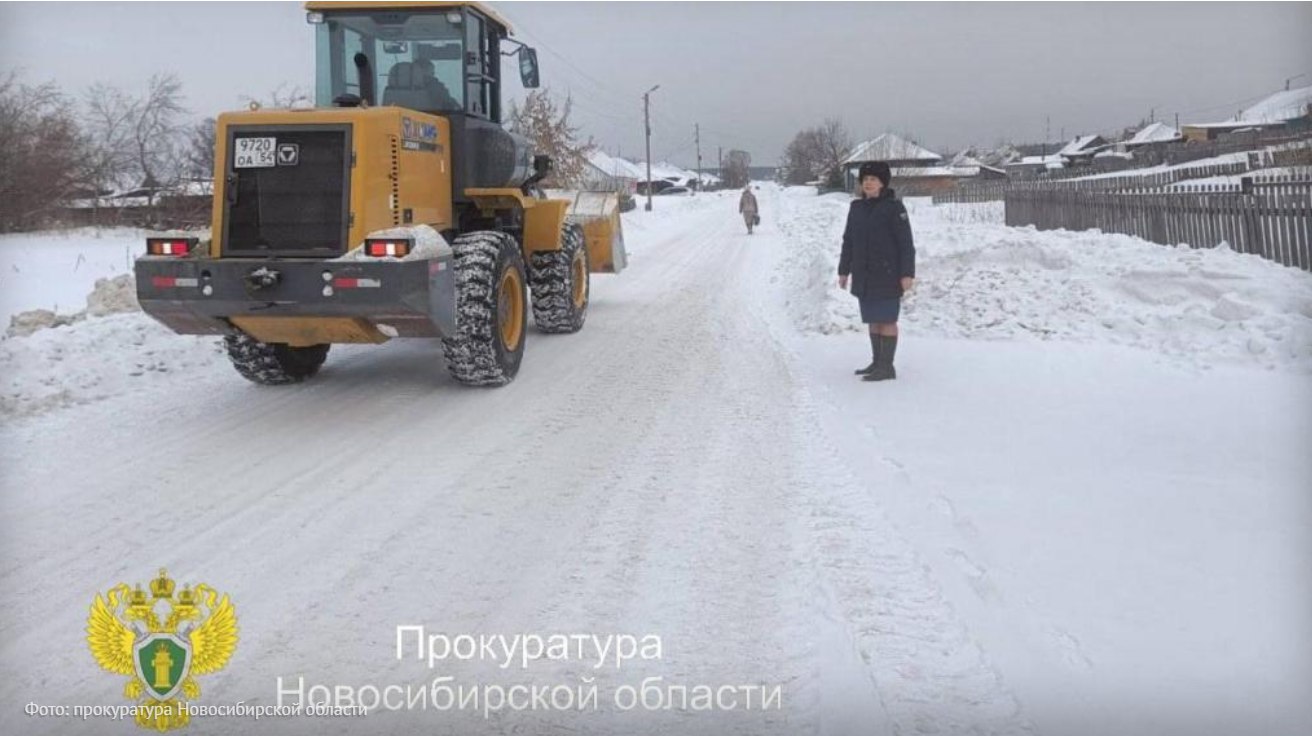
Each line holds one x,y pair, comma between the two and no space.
255,153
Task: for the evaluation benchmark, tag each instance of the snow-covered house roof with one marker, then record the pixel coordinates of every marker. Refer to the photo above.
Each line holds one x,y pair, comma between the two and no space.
890,147
1082,145
1002,156
1055,158
140,196
965,158
958,172
1154,133
1272,110
1278,107
614,166
192,188
663,170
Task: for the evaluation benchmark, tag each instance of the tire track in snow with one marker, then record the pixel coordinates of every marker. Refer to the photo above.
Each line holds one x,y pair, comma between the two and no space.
659,472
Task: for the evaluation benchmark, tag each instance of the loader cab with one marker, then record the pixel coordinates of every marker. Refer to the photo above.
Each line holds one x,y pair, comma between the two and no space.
439,58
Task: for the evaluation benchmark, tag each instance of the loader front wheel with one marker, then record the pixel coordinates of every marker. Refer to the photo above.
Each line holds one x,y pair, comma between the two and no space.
273,364
491,310
559,280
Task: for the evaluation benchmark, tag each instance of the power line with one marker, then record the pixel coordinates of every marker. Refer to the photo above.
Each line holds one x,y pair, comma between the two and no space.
602,94
601,87
1231,105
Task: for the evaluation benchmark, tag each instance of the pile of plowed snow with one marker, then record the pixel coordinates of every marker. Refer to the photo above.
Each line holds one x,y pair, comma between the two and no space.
109,296
52,356
94,359
979,279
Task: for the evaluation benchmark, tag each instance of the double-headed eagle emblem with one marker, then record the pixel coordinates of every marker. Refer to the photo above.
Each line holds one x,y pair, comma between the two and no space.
197,636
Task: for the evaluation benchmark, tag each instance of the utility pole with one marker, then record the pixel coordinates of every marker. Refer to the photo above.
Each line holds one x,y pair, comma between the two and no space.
1177,122
1047,134
697,135
646,120
719,163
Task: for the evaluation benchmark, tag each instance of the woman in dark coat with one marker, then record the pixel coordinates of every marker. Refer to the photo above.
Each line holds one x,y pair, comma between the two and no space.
880,258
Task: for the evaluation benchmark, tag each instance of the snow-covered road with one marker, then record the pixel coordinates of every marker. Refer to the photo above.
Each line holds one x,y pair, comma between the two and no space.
689,466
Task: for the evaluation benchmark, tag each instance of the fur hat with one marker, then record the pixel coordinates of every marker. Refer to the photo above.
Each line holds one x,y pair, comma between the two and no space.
877,169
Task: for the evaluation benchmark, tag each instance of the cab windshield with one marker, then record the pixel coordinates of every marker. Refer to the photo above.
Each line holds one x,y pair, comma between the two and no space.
416,59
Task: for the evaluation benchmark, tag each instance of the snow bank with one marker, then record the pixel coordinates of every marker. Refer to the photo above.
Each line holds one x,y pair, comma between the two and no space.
94,359
982,280
56,351
109,296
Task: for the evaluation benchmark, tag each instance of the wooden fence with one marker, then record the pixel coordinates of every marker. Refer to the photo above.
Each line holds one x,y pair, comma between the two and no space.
1271,217
994,191
997,191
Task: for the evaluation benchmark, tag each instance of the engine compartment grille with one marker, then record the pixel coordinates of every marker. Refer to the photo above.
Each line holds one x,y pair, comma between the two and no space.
300,205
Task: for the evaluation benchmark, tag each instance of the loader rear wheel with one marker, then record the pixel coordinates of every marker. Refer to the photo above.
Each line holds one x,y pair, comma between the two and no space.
560,282
491,310
273,364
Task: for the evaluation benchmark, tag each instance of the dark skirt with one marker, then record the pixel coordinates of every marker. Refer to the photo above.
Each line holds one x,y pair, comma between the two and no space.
882,311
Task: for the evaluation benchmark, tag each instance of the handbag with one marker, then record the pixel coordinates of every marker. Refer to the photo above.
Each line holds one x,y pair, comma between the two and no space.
756,219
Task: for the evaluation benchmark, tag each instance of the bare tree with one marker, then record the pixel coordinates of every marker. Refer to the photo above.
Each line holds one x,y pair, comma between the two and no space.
284,95
137,142
548,128
835,143
39,152
106,134
158,133
801,160
818,153
737,168
200,149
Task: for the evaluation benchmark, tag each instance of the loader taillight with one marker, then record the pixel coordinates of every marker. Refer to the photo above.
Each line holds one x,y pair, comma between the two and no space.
385,247
346,283
170,246
173,282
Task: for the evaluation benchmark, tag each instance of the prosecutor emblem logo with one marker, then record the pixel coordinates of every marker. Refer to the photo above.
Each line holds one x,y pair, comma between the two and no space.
162,642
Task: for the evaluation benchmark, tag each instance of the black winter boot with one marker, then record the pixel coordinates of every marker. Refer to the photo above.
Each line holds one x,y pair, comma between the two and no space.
874,356
884,365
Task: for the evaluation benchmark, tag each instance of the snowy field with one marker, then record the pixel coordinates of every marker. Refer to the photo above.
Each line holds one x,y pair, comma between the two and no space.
1082,508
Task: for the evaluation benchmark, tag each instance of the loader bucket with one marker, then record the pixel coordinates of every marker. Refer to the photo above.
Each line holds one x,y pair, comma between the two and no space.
598,213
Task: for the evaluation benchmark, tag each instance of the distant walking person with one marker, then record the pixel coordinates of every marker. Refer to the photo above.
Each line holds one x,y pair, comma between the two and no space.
879,256
748,207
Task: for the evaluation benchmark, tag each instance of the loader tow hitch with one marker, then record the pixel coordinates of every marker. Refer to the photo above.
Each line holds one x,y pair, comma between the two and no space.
262,278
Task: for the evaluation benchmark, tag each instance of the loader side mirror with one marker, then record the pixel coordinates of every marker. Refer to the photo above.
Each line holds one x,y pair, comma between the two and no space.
528,67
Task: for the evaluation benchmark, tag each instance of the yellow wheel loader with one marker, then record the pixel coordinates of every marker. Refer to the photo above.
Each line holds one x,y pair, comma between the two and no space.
398,206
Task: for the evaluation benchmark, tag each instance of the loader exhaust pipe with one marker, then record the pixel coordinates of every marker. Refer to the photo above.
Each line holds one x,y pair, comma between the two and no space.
366,79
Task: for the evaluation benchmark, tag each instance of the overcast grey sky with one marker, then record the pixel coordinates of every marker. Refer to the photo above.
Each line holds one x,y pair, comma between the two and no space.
751,73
